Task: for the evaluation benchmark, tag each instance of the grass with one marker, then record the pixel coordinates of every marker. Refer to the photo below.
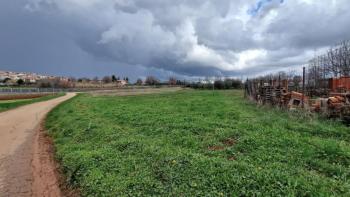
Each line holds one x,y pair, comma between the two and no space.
197,143
10,104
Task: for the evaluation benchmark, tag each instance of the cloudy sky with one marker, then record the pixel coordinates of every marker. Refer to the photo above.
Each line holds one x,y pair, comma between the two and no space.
183,38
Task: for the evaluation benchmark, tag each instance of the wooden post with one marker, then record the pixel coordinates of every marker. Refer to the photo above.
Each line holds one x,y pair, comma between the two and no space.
279,80
324,79
302,100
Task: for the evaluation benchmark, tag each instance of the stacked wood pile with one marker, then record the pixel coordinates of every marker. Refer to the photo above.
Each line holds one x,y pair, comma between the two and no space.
336,105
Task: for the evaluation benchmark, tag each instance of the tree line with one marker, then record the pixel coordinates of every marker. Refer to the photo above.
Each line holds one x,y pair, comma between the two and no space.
218,84
334,63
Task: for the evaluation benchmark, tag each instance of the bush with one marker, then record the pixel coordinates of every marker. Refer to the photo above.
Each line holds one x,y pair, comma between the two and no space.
54,83
20,82
218,84
139,82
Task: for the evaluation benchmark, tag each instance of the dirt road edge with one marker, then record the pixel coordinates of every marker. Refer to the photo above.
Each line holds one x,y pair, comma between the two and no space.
48,179
47,176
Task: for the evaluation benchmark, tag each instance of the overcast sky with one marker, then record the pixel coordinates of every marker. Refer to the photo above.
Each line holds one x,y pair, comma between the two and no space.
184,38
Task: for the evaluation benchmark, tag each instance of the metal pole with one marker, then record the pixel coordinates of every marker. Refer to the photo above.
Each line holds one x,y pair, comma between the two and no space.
302,100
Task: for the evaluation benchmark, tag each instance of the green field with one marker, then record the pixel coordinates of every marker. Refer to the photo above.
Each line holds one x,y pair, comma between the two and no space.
10,104
197,143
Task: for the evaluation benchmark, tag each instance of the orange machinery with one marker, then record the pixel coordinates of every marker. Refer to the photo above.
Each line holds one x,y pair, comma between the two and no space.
339,84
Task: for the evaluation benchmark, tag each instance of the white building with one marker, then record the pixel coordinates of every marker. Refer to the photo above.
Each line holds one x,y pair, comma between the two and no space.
122,83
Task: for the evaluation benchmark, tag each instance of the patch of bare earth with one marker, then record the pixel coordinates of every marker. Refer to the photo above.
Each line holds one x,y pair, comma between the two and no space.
47,179
22,96
228,142
216,148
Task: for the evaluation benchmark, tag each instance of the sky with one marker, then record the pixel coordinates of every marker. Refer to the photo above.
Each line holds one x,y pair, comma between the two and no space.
181,38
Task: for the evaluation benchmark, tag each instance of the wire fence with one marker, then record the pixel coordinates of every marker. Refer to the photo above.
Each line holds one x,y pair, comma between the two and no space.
30,90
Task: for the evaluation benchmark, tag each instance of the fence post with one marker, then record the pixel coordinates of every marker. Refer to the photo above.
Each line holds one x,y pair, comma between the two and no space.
302,100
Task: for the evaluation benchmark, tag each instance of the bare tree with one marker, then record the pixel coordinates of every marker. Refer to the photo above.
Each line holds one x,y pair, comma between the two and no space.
139,82
344,58
107,79
151,80
172,81
72,79
95,80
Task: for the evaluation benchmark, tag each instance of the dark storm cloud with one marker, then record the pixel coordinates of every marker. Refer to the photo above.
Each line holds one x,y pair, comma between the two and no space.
315,26
178,37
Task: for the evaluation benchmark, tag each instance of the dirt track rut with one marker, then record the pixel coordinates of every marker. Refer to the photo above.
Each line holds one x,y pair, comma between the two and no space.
25,164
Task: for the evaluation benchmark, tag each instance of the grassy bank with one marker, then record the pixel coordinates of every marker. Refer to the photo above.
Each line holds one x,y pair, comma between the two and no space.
197,143
10,104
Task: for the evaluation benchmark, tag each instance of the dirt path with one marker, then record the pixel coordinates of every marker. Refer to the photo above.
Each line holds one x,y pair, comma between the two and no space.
26,168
